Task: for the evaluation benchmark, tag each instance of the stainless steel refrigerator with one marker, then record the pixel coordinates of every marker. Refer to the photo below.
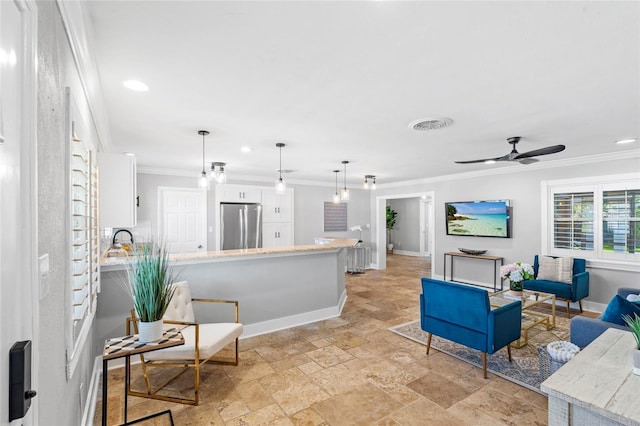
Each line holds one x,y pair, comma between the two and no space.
240,226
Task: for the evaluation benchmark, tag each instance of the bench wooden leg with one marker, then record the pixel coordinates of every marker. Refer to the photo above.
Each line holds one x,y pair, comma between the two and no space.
429,343
568,308
580,303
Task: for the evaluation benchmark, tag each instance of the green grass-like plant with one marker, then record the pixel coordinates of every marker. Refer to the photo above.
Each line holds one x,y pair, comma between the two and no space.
151,279
634,325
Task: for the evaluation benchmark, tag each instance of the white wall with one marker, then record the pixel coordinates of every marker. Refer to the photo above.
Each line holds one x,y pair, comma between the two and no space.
522,186
61,401
406,232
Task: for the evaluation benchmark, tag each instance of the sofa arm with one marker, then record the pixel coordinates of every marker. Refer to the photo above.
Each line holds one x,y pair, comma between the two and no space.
584,330
625,291
504,325
580,286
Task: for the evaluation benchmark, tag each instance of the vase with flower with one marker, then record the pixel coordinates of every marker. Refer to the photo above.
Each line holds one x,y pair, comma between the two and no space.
516,273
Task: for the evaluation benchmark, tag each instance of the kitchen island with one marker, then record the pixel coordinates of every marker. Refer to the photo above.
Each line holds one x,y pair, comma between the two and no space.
277,288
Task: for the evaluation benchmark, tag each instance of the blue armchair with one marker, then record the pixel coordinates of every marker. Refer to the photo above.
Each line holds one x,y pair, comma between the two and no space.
574,292
584,330
463,315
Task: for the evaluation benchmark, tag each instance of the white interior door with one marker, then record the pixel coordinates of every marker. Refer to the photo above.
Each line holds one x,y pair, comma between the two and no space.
18,198
183,219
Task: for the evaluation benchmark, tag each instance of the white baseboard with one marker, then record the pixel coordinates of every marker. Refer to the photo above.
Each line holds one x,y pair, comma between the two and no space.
92,393
406,253
270,326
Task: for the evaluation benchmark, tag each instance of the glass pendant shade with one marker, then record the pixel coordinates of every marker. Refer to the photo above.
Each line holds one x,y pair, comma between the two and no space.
203,182
336,196
344,194
281,187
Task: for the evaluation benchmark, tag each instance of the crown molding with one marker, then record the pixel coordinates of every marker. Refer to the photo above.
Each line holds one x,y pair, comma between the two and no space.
623,155
588,159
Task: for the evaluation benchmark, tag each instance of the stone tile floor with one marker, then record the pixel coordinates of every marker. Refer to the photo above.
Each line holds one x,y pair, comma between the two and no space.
346,371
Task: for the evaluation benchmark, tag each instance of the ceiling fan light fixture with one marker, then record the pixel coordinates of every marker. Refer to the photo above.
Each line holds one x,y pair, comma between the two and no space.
431,123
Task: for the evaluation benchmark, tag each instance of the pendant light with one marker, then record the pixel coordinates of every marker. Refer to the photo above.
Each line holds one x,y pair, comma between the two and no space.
203,182
217,172
281,187
336,196
344,195
367,178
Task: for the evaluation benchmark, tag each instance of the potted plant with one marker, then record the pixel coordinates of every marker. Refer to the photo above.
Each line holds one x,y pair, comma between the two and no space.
634,325
391,221
150,283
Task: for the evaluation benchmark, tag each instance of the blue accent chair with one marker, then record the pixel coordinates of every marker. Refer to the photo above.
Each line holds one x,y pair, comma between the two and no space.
574,292
463,315
584,330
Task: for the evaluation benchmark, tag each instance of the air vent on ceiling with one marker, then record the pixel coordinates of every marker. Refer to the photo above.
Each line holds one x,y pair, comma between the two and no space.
431,123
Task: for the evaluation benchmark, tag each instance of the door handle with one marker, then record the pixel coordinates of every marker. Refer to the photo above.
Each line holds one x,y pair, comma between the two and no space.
199,246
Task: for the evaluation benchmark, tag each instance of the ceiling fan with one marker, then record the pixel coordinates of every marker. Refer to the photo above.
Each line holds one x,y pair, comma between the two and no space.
514,155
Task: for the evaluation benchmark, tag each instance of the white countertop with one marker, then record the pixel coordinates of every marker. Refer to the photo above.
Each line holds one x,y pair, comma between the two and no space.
335,243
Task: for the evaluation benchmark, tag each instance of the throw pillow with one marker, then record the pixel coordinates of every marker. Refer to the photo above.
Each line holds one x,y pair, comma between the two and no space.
555,269
617,308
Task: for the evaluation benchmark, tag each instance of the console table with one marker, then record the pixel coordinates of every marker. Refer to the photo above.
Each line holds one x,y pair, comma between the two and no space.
126,346
596,387
493,259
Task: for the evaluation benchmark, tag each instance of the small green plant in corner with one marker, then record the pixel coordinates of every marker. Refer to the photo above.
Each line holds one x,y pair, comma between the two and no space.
151,279
634,325
391,217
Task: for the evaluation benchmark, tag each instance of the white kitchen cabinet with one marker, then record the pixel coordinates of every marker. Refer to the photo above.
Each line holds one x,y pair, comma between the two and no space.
117,190
238,194
276,234
277,207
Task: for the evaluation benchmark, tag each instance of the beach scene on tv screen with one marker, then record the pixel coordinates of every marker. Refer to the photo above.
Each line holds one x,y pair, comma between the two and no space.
488,218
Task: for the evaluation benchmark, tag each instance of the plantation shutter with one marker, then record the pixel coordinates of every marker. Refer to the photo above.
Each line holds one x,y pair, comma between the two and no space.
621,221
573,221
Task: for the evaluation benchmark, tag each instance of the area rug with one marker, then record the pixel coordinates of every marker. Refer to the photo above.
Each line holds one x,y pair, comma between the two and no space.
524,370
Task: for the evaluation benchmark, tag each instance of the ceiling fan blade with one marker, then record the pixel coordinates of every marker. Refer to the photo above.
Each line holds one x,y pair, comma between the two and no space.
479,161
542,151
528,161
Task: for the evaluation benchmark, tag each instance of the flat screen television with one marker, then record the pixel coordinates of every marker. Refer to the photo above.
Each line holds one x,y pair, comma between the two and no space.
479,218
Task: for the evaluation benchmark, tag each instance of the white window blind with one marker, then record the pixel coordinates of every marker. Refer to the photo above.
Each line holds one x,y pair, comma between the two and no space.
573,221
621,221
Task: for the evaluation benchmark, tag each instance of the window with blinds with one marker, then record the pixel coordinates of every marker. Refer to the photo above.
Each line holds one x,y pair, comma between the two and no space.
621,221
597,218
83,249
573,221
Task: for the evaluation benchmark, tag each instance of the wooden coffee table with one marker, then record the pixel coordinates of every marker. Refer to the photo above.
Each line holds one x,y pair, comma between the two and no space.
530,318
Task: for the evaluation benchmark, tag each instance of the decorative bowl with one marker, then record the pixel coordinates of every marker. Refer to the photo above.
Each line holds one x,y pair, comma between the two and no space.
472,251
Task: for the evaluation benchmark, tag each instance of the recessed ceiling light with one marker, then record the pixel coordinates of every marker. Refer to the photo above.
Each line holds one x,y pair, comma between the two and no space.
130,154
623,141
490,162
246,149
432,123
136,85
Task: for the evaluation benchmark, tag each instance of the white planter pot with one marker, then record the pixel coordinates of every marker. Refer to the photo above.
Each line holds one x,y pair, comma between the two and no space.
149,331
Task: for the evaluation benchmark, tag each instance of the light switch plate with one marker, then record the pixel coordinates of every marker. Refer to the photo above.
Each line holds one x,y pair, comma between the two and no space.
43,266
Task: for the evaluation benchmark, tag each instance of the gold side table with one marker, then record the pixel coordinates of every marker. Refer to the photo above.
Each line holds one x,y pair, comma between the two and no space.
119,347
